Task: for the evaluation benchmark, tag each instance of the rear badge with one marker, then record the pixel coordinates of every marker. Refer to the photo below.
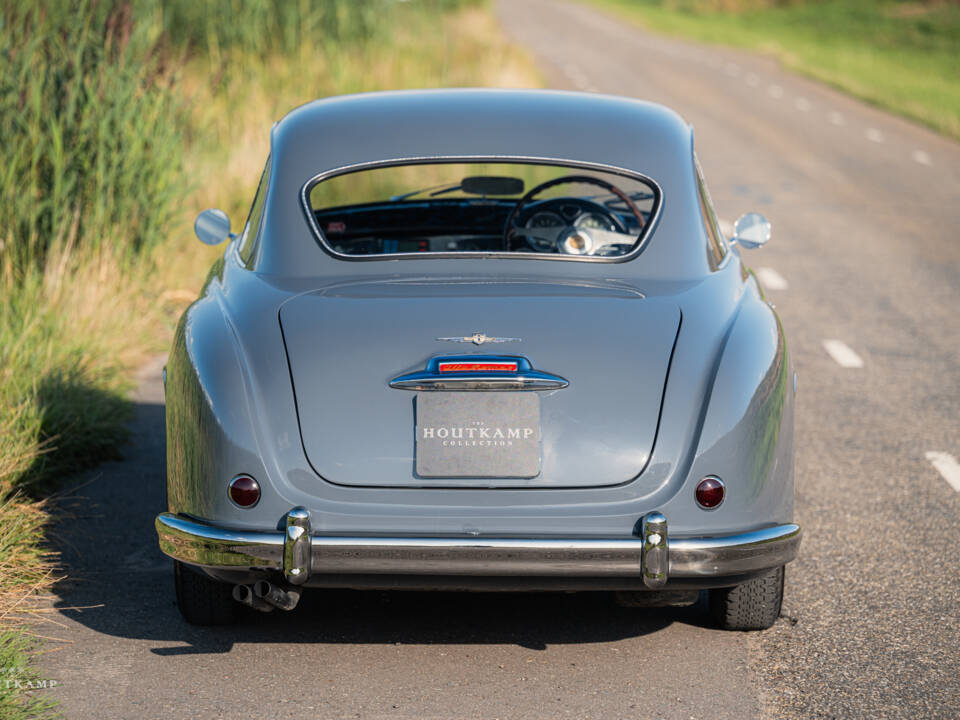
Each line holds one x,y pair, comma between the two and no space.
478,339
478,435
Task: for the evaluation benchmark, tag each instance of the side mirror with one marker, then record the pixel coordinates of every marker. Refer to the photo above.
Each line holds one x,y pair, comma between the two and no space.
212,227
751,231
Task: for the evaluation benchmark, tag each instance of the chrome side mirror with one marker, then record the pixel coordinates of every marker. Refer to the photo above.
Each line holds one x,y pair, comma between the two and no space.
212,227
751,231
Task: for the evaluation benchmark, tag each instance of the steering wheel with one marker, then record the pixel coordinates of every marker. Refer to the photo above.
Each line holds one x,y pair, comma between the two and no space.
568,238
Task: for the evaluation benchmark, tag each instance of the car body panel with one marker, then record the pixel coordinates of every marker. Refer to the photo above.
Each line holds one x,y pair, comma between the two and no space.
346,343
725,408
259,376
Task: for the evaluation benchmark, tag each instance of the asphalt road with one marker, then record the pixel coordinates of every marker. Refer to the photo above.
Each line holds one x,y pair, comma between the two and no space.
864,267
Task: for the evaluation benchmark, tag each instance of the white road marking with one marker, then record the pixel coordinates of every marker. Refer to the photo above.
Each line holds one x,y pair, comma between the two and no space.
771,279
947,465
802,104
775,91
842,354
752,80
733,70
836,118
726,227
921,157
874,135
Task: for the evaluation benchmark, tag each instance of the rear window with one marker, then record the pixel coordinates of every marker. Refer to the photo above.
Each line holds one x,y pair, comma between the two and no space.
521,208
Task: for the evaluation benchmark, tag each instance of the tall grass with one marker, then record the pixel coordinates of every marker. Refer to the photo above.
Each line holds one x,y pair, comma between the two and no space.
89,155
260,28
119,120
92,137
16,678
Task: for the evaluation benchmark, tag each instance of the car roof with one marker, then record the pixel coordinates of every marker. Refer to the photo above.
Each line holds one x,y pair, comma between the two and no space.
335,133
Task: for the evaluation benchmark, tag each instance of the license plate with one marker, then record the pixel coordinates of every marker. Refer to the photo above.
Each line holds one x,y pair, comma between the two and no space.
478,434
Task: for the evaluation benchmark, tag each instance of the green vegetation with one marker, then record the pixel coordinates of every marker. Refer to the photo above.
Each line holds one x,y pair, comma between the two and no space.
121,121
18,698
88,144
900,55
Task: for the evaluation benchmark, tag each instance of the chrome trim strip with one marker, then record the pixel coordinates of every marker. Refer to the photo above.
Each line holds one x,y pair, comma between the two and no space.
203,544
758,550
476,556
531,380
642,240
699,557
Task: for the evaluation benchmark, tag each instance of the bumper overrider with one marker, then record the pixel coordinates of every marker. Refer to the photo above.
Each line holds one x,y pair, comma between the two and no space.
653,556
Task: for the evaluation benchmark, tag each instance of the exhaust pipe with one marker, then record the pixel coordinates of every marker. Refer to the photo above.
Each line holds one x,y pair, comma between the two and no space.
244,595
285,599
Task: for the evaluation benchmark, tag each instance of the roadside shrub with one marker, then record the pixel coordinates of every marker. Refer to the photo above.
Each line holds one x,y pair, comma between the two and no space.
264,27
90,154
90,112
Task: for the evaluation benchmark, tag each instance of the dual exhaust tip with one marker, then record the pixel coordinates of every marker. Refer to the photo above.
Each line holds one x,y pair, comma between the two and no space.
265,596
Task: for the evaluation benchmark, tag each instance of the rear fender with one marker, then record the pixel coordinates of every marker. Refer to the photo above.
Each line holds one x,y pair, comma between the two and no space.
207,447
747,434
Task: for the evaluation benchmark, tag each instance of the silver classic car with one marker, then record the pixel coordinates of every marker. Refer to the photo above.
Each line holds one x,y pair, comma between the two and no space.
480,340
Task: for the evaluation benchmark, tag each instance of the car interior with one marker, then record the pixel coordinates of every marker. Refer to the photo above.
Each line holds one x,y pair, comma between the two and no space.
483,207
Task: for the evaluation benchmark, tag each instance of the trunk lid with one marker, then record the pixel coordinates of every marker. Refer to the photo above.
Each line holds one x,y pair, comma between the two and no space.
345,344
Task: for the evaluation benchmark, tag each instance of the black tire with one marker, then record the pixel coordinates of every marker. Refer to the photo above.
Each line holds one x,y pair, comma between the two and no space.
202,600
753,605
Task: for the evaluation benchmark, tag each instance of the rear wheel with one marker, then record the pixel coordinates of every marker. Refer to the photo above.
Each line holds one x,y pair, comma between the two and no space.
201,599
753,605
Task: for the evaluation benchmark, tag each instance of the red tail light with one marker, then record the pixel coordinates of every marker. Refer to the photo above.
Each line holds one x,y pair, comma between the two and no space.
710,493
244,491
477,367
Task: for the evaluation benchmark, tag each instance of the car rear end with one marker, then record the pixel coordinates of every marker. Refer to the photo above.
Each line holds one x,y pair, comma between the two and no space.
482,392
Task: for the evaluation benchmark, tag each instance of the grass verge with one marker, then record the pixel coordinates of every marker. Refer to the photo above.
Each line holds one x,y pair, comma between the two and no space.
124,121
900,55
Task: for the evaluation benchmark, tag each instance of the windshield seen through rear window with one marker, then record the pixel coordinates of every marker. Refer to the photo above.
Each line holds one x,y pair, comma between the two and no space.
537,209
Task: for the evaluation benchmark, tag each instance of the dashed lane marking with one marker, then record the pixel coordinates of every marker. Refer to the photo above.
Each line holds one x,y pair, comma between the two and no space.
752,80
921,157
947,465
842,354
874,135
802,104
775,91
771,279
726,227
836,118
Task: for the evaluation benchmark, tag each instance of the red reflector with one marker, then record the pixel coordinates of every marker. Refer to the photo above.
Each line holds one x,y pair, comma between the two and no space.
244,491
710,492
477,367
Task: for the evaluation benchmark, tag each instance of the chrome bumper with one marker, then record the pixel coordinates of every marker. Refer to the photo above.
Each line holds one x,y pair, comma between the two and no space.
654,555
